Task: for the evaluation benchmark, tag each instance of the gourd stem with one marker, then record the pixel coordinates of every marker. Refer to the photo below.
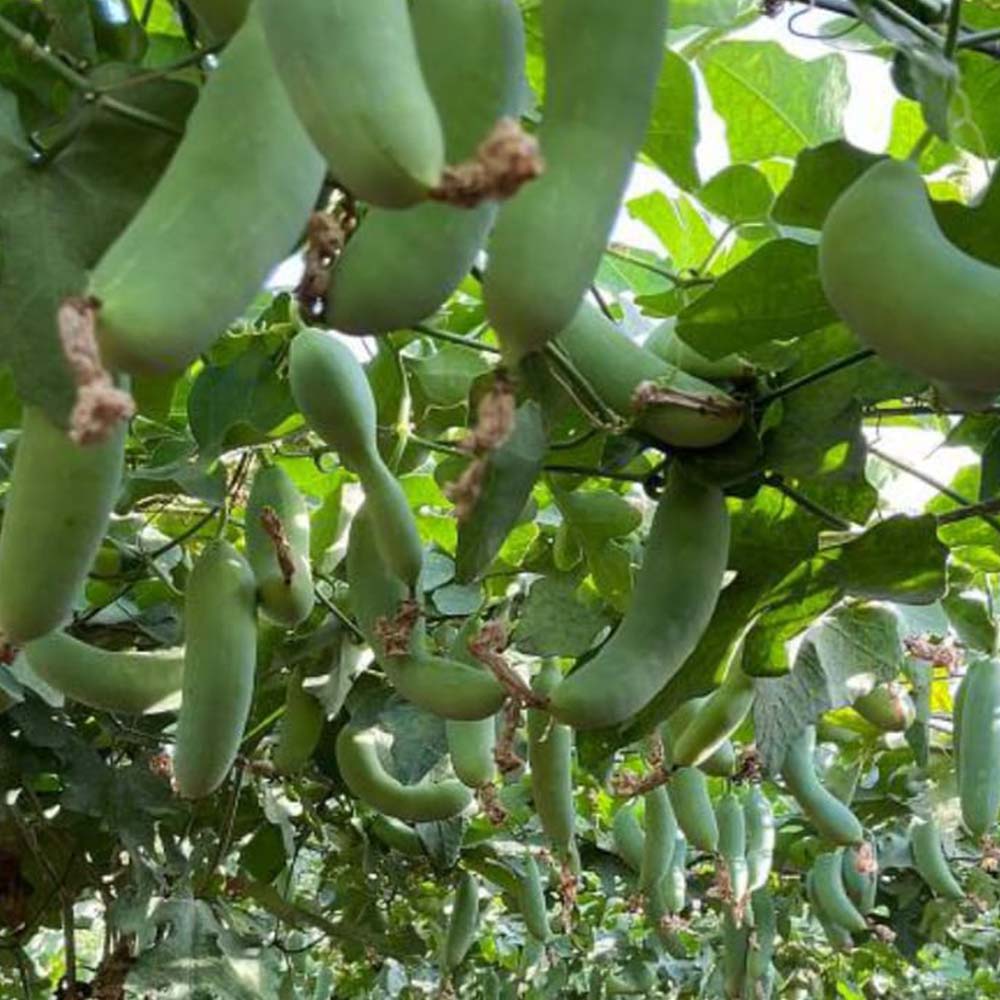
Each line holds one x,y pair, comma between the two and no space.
29,46
835,521
978,37
954,28
921,144
663,272
455,338
934,484
814,376
900,16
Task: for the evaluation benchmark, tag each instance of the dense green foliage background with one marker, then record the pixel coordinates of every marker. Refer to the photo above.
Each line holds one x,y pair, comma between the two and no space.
278,886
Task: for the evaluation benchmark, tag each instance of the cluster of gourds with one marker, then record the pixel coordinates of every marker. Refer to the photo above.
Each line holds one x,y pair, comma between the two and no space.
382,95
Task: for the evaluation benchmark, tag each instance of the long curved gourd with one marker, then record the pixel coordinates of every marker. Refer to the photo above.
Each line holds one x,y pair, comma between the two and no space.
472,54
354,77
471,743
979,760
285,599
831,896
721,762
218,19
659,841
735,944
689,413
532,901
463,922
628,836
674,596
444,687
367,778
733,844
130,682
929,859
831,818
663,341
860,872
220,623
760,836
550,759
838,936
958,702
688,791
300,728
889,707
398,835
718,717
231,193
674,884
56,513
761,951
601,66
331,390
470,746
898,282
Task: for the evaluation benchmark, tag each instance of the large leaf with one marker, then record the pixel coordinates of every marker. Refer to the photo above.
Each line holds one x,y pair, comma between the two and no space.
855,641
821,175
773,103
673,128
511,473
773,294
555,621
58,218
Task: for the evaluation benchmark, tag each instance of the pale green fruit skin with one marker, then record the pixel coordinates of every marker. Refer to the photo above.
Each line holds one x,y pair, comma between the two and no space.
367,779
353,75
472,56
55,515
290,603
602,63
220,621
129,682
231,193
902,287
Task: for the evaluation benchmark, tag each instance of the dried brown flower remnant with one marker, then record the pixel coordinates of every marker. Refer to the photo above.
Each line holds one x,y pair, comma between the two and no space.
941,654
865,862
326,236
275,530
495,417
506,159
395,633
490,803
99,405
648,394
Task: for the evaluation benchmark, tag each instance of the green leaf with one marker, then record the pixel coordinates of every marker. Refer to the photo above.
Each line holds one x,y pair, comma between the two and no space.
773,294
677,224
446,375
970,617
239,402
56,221
511,473
773,104
977,111
908,126
554,620
770,536
821,175
973,227
901,559
738,193
858,640
708,13
673,132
